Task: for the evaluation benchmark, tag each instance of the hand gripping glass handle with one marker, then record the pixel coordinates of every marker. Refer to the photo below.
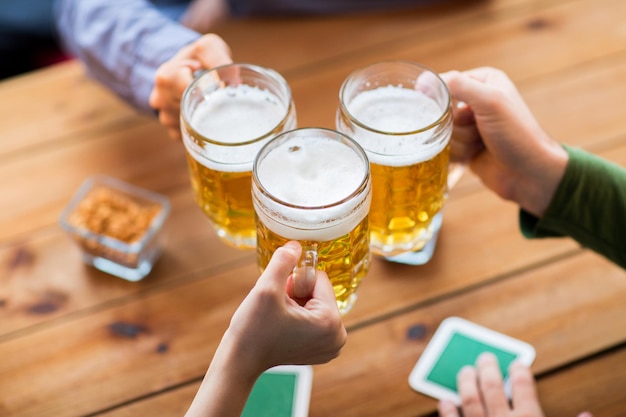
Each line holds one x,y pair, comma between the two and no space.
304,274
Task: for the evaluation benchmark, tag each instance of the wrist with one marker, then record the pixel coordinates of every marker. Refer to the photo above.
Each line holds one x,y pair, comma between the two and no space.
227,383
543,178
243,356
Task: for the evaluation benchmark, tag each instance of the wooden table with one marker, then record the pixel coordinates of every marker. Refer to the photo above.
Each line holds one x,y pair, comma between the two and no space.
62,352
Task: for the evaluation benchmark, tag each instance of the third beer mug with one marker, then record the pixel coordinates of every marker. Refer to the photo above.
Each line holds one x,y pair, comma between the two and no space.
400,113
313,185
227,114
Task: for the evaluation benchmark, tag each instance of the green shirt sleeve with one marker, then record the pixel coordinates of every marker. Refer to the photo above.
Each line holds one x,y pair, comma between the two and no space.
589,205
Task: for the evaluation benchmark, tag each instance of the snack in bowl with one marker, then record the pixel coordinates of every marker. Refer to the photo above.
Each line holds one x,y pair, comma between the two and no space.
118,226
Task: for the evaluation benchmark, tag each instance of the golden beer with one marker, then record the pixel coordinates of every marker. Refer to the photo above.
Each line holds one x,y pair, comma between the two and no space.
399,112
227,115
313,185
345,259
405,200
225,199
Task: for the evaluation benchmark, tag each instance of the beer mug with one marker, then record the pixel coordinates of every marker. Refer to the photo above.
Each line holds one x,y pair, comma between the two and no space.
400,113
227,114
313,185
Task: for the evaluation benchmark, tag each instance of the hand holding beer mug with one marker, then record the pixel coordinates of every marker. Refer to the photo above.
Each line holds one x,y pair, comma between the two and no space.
227,114
400,113
313,185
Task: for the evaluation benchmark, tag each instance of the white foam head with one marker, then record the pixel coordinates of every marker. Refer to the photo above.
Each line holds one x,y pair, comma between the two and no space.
396,118
310,179
230,117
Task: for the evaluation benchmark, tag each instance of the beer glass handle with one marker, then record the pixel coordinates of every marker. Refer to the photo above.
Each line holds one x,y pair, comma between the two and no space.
304,273
455,172
456,169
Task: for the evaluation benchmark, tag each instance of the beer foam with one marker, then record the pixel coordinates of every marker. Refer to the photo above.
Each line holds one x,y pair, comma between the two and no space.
231,116
236,114
396,110
313,173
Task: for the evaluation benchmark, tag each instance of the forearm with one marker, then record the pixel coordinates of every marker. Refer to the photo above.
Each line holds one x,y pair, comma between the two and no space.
589,206
227,383
121,42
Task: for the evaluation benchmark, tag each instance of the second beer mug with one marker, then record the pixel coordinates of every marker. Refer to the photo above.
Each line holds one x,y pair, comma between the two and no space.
313,185
227,114
400,113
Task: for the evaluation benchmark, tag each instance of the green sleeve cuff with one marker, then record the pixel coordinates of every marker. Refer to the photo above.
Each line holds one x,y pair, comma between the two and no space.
589,205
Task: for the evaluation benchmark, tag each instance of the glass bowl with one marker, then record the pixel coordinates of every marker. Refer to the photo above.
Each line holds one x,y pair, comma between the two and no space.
118,226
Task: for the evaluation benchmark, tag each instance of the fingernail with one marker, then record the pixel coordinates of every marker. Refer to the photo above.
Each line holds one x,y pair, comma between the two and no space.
486,358
516,366
303,281
467,369
446,408
292,246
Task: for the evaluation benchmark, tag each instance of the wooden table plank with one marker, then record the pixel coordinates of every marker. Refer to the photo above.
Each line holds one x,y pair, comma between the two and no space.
39,185
572,303
55,103
81,342
145,141
595,385
44,279
316,94
322,41
448,37
194,249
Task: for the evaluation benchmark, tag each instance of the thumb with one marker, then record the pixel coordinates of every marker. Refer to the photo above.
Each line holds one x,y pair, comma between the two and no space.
281,265
314,285
323,289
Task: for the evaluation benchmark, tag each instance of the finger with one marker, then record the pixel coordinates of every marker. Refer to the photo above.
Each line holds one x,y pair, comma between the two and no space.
169,73
303,282
171,80
174,134
447,408
585,414
467,385
171,122
281,265
523,390
465,143
494,175
323,289
491,385
468,89
211,51
483,74
463,114
429,84
303,277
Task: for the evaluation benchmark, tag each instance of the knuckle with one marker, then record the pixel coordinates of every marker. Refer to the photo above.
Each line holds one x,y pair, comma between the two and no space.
490,385
470,401
162,78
